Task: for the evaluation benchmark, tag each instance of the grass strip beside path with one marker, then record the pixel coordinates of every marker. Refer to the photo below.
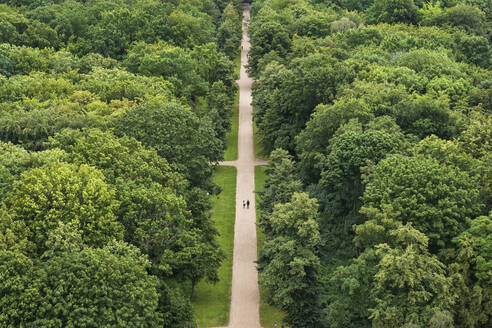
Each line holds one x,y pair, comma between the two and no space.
260,151
269,315
212,302
231,137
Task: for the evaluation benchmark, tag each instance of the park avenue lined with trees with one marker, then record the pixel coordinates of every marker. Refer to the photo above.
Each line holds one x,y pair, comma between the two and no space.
306,163
245,297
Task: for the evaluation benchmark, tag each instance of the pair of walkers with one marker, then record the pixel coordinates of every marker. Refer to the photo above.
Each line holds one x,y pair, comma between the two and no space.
246,204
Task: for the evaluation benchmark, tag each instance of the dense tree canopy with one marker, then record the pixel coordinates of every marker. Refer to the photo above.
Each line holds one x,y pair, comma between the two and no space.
112,115
383,109
289,263
377,116
60,192
77,285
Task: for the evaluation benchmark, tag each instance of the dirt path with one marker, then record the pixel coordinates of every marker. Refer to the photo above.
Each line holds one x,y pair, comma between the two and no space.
245,298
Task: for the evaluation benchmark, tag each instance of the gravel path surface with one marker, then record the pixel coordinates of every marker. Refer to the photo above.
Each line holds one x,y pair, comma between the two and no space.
245,298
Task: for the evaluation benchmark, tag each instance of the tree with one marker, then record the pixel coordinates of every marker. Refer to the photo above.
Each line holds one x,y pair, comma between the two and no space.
122,158
219,111
348,292
281,183
393,11
313,141
111,84
188,143
19,292
470,18
77,285
188,30
13,24
174,305
351,149
214,67
471,273
114,31
288,263
411,286
96,286
476,138
60,192
40,35
14,160
448,153
230,32
284,99
153,207
395,281
161,226
265,38
341,25
315,24
172,63
439,200
6,63
474,49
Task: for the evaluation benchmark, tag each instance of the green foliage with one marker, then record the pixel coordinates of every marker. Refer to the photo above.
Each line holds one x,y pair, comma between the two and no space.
14,160
220,111
341,186
472,277
351,149
212,300
285,98
266,38
288,263
387,125
439,200
230,31
119,84
20,295
60,192
464,16
65,289
173,63
121,271
410,286
117,158
152,207
279,187
395,281
393,11
71,74
187,29
188,143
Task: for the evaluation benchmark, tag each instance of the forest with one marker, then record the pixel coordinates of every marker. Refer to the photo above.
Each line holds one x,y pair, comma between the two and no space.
377,115
112,115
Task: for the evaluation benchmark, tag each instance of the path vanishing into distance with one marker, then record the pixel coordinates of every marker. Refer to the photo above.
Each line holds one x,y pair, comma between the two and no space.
245,299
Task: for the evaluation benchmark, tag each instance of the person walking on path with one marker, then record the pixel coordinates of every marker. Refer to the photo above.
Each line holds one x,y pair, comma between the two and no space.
244,204
247,204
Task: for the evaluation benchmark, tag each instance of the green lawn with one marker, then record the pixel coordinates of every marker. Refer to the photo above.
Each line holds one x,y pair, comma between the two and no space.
231,141
260,152
231,138
237,63
269,315
212,302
